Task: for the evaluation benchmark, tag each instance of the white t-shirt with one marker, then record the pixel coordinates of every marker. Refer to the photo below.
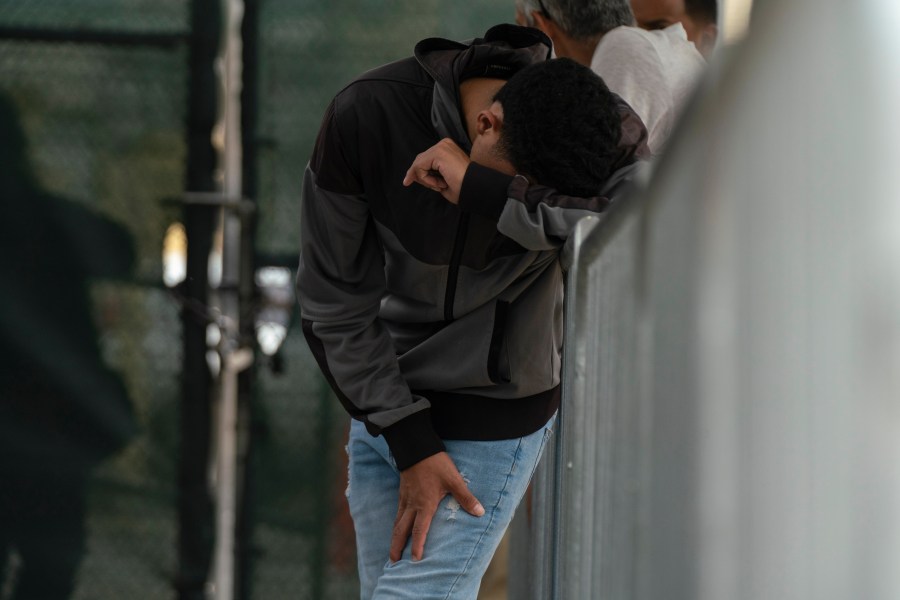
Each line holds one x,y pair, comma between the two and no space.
653,71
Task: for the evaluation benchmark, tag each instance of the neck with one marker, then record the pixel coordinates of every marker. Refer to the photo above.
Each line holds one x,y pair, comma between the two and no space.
581,52
476,95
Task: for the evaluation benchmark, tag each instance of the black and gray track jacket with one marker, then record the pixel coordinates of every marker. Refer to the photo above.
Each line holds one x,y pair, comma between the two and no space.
433,321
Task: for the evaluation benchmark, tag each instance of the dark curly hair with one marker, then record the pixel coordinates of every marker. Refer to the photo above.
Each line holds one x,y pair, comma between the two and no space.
561,126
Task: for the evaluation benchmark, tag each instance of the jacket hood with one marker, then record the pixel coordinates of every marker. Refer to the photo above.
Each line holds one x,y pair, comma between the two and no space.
504,50
634,137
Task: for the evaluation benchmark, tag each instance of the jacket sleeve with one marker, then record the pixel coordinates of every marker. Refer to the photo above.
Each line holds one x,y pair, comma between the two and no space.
541,218
535,216
340,283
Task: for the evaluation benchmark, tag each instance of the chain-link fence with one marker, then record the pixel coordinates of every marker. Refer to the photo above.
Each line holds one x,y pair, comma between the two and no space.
92,139
95,103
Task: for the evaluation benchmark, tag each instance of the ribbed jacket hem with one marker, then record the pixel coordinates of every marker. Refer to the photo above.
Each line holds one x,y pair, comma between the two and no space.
469,417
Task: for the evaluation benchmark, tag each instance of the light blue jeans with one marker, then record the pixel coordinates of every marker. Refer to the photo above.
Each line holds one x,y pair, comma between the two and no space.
459,546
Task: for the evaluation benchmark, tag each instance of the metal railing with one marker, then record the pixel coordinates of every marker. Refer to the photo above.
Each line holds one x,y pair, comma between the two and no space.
730,426
583,503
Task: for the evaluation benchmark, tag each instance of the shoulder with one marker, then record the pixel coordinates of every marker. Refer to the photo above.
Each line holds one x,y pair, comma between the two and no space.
385,90
402,74
674,48
637,53
660,42
624,48
627,53
627,36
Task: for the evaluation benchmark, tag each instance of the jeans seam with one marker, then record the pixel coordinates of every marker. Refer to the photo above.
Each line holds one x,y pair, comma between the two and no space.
547,434
490,523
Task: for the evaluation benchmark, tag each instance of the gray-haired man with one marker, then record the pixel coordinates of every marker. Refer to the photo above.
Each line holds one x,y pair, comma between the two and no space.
653,71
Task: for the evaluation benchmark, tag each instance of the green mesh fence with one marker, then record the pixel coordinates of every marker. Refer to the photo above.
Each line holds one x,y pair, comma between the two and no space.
92,139
102,146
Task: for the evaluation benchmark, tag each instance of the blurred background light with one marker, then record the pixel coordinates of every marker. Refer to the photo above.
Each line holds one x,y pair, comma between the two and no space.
174,255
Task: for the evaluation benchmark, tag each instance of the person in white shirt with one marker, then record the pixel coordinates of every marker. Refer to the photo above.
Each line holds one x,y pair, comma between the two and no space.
653,71
699,18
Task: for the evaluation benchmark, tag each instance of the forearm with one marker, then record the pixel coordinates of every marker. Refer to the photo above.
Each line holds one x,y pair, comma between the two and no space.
535,216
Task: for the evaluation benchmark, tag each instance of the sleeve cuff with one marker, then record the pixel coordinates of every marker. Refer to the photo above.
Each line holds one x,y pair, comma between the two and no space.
484,191
412,439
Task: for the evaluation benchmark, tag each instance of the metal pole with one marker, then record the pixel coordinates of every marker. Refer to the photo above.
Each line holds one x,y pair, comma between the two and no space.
195,512
234,361
235,358
247,291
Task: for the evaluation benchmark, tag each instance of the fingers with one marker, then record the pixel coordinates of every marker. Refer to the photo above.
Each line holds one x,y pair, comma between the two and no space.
415,523
465,498
424,170
440,168
424,176
420,532
422,487
403,525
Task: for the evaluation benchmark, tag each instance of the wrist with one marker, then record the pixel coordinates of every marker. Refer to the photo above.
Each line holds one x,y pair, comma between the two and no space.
484,191
412,439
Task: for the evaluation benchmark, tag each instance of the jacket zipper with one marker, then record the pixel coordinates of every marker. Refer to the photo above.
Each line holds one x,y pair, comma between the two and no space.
455,259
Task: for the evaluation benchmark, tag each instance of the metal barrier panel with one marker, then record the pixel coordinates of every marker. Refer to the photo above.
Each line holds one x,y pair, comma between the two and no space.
582,530
755,454
599,434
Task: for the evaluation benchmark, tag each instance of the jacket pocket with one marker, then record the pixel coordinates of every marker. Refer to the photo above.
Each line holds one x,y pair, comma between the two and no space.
455,357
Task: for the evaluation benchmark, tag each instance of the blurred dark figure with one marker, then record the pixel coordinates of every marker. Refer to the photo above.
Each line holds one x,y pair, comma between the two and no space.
61,409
